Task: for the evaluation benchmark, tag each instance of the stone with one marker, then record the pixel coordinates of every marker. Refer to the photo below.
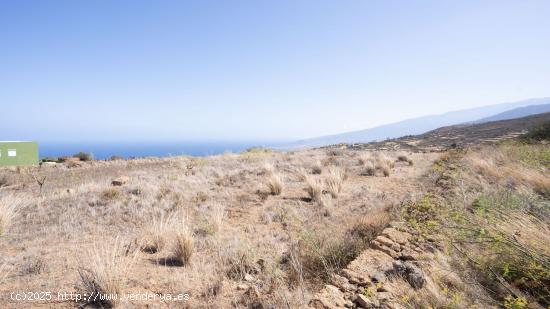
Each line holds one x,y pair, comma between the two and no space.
384,296
120,181
379,277
364,302
356,278
342,283
384,241
242,287
411,273
330,297
397,236
248,277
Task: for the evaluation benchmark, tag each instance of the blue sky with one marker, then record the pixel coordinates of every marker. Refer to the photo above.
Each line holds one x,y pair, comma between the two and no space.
258,70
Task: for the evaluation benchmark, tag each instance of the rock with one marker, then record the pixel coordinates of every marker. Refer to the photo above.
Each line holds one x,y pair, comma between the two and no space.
410,272
248,278
49,164
330,297
365,302
356,278
120,181
384,241
251,298
387,250
242,287
379,277
384,296
408,255
397,236
342,283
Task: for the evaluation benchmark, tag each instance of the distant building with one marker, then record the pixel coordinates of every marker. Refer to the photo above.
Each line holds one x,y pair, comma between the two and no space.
18,153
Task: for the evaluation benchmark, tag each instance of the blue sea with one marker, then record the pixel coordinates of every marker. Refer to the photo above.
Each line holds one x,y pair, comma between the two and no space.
105,150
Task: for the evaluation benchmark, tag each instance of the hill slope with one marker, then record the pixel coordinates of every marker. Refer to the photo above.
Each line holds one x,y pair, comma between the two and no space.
461,135
415,125
518,113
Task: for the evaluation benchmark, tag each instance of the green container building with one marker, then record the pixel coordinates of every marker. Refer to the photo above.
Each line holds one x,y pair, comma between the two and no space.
18,153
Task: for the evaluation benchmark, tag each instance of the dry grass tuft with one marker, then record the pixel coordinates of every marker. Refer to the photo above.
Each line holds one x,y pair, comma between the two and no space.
155,235
102,277
4,272
370,169
8,209
275,184
370,226
183,243
314,188
183,248
111,194
217,216
335,181
384,167
317,168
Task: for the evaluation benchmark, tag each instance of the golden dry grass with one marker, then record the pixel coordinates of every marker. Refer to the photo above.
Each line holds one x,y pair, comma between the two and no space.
230,230
275,184
104,272
334,181
8,209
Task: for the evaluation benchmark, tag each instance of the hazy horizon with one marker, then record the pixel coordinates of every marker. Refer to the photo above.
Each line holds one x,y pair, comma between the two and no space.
248,71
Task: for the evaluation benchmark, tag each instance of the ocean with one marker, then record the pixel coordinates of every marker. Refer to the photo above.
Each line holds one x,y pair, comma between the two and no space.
105,150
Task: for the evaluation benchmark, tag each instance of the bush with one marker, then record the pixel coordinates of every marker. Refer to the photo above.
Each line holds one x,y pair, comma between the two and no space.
50,159
539,133
84,156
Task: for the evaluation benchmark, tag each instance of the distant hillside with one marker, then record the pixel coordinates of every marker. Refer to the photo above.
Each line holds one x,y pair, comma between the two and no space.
518,113
415,125
460,135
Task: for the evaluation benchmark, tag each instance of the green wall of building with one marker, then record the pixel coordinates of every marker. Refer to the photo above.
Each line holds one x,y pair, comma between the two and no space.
26,154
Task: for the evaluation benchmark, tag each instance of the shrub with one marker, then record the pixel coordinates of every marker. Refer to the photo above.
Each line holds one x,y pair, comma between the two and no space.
335,180
50,159
102,276
538,133
402,158
275,185
84,156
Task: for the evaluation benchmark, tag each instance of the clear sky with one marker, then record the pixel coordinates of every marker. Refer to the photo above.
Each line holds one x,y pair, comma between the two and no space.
256,70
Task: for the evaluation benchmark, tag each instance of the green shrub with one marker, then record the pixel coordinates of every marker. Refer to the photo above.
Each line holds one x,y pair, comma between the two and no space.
50,159
84,156
539,133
